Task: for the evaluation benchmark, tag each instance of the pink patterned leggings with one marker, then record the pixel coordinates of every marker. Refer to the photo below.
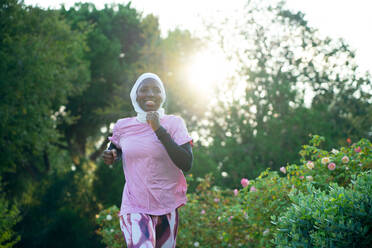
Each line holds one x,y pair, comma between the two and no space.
150,231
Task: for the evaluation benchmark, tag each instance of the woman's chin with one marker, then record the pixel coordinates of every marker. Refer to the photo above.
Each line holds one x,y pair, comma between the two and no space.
151,109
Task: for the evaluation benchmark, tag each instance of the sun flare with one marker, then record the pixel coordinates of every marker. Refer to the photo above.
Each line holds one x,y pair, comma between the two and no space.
206,71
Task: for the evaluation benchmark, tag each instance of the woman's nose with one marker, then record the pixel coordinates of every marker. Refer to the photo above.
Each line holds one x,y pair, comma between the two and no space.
151,93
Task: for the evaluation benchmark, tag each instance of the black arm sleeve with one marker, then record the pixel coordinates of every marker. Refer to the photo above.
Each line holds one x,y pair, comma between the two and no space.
180,155
112,146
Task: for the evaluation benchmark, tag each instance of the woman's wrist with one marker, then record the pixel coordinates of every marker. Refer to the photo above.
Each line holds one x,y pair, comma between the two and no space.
160,132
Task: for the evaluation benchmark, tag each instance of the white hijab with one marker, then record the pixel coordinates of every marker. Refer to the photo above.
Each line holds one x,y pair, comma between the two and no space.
141,114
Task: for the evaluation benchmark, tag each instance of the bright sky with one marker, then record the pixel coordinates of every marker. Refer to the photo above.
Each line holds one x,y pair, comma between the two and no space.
348,19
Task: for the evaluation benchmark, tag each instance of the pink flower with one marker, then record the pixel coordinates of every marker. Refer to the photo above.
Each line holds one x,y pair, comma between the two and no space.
302,177
282,169
331,166
253,189
202,212
310,165
348,140
358,149
230,218
236,192
244,182
345,159
216,200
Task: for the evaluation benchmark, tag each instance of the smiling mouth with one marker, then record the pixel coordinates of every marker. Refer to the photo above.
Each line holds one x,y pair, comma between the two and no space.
150,103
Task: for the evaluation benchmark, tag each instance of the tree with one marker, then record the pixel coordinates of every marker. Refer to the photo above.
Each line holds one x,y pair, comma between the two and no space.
41,66
261,117
114,38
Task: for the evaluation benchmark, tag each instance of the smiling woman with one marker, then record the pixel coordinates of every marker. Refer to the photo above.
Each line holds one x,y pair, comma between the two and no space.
155,149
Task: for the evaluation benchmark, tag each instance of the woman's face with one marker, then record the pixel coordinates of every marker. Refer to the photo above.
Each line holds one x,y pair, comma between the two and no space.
149,95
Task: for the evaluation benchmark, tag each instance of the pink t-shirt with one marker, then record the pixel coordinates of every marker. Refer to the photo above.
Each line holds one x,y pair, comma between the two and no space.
154,185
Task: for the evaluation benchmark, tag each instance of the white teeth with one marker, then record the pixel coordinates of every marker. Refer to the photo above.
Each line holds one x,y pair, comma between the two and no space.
150,102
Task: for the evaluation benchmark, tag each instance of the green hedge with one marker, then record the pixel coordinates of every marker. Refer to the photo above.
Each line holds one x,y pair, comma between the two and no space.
340,218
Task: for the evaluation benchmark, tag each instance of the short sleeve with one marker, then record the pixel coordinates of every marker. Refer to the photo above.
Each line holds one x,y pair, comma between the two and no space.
180,134
115,138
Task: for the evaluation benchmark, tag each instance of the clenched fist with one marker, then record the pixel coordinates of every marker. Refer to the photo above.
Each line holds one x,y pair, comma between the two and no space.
152,118
109,156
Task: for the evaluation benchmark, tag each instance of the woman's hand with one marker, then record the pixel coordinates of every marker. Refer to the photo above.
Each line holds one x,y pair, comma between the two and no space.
109,156
152,118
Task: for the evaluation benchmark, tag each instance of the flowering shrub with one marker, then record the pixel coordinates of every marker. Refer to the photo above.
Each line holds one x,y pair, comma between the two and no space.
341,218
110,228
336,166
215,217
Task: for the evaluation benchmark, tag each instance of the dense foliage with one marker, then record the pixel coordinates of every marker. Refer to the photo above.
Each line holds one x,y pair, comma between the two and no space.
41,65
340,218
9,216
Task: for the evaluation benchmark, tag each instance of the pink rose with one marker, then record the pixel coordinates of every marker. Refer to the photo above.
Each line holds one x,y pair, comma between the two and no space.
253,189
301,177
331,166
202,212
244,182
216,200
236,192
282,169
358,149
345,159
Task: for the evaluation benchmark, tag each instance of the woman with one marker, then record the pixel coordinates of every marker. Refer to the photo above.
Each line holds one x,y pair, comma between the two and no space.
156,148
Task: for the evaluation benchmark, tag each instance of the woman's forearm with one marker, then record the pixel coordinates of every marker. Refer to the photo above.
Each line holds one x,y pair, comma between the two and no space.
181,155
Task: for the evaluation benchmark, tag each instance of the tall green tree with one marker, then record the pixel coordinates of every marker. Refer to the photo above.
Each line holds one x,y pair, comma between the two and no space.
114,38
41,65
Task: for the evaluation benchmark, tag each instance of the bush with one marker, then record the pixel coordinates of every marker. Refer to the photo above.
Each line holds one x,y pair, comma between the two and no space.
110,228
340,218
9,216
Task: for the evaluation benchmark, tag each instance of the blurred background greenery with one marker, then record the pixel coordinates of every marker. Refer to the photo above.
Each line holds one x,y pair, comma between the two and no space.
65,78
